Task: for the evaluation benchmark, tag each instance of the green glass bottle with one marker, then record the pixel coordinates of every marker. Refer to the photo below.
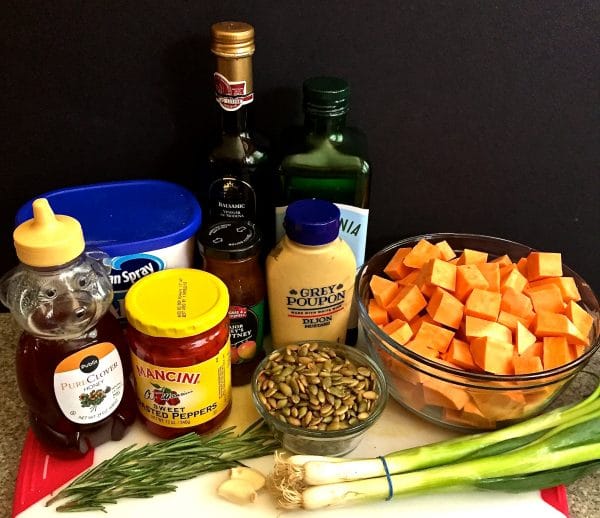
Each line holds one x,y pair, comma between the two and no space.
327,161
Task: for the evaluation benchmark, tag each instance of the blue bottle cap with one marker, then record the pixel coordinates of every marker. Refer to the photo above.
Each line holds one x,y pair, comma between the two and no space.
312,222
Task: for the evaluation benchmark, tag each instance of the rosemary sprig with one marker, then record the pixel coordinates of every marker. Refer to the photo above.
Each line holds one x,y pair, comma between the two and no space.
152,469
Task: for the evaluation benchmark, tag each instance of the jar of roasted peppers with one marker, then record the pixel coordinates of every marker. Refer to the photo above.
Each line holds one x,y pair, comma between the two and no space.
178,332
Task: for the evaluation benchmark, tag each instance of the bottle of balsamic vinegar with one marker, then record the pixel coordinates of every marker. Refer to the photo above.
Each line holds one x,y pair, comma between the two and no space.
240,180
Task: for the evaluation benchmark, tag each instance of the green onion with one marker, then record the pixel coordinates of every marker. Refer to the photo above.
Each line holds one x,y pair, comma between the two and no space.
153,469
555,447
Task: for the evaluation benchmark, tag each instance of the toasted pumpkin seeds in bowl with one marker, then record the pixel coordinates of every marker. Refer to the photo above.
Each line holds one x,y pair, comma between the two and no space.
319,398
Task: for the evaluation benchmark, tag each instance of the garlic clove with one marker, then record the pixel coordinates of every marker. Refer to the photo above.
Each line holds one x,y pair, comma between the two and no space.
238,491
254,477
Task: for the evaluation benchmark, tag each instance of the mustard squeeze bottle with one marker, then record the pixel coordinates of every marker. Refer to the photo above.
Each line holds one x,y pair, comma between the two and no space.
310,276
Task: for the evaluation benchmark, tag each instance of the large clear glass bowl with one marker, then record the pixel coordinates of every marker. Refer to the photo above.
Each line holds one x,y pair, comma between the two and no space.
493,400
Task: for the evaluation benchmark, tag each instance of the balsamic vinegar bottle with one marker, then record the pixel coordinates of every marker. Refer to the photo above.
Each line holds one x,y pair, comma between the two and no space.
240,178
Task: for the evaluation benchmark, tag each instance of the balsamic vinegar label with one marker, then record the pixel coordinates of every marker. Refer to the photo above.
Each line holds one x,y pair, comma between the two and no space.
231,198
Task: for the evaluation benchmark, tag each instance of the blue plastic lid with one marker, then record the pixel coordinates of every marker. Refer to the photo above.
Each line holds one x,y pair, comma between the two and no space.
312,222
127,217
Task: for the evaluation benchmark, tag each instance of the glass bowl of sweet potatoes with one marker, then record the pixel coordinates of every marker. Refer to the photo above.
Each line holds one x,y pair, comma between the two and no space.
475,332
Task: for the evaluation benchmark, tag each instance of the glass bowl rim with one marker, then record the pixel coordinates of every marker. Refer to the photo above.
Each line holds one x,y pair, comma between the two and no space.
436,366
346,433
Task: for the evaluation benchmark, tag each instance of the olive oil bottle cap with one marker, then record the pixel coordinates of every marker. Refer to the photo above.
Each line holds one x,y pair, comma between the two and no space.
328,96
232,39
312,222
48,239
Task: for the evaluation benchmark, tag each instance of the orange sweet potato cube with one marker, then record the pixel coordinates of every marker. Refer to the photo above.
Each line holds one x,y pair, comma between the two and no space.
440,273
421,253
445,309
524,338
522,266
582,320
459,354
396,269
416,322
475,327
377,314
492,355
407,303
383,290
491,272
566,285
545,297
543,264
516,302
411,278
509,320
446,250
483,304
548,324
441,393
469,256
511,277
527,364
468,277
398,330
433,336
537,349
556,352
500,405
502,260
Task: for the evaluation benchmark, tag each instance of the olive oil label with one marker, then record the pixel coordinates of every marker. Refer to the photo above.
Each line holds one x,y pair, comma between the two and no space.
353,228
181,397
231,95
231,198
89,384
246,331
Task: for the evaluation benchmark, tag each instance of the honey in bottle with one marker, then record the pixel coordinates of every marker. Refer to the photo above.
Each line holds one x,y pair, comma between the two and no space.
72,361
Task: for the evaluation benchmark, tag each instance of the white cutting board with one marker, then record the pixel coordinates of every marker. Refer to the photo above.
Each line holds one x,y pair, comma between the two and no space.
396,429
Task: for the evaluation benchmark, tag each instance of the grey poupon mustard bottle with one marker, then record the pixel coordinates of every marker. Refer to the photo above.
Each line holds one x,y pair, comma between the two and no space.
310,276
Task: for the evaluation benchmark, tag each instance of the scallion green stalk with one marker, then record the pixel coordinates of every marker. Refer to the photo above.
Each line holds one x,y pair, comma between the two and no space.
327,471
540,452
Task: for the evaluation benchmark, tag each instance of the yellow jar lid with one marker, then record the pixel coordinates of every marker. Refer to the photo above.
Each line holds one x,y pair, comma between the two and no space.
48,239
176,303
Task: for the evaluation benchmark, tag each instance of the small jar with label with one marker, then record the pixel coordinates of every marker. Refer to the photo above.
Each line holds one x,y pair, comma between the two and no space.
310,276
178,332
231,251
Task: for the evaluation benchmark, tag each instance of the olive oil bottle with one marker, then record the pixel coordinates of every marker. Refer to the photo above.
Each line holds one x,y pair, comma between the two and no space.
327,161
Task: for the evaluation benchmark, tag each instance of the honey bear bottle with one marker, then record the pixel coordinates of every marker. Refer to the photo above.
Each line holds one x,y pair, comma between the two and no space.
72,361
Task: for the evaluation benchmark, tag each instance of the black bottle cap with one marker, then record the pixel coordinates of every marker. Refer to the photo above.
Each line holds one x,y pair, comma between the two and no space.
230,240
328,96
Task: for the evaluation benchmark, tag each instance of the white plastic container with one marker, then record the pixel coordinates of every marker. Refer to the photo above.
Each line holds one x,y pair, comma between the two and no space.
143,225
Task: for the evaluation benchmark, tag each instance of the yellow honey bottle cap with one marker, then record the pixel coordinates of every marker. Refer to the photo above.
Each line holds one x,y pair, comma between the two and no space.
176,303
48,239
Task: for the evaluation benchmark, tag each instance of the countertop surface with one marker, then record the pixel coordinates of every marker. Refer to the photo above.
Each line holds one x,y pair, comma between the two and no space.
584,495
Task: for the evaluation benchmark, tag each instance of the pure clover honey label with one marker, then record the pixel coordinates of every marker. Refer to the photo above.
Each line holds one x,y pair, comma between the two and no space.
89,384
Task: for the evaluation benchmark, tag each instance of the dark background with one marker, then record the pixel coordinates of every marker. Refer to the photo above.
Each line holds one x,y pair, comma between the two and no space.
482,116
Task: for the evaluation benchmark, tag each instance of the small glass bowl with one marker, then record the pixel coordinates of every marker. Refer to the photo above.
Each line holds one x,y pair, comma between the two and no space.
335,443
429,388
